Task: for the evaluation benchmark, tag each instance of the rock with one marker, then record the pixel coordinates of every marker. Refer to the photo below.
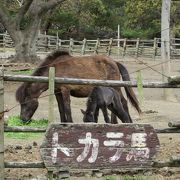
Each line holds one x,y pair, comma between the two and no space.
63,174
42,177
165,169
28,147
35,143
98,174
18,147
10,149
148,173
88,174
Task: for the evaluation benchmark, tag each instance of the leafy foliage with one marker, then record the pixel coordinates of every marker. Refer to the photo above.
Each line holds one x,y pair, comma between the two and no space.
84,18
146,21
99,18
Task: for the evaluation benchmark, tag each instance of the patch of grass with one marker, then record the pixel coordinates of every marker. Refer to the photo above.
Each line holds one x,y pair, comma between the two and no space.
127,178
110,178
21,135
135,178
141,178
15,121
23,72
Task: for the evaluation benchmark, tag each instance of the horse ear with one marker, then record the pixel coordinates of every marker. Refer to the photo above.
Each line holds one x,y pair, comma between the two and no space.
83,111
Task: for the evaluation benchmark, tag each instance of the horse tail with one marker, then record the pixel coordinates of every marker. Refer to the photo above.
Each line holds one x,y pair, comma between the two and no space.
129,91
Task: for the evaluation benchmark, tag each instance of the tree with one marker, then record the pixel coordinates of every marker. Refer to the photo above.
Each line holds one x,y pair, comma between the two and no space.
146,22
175,18
23,24
84,18
142,18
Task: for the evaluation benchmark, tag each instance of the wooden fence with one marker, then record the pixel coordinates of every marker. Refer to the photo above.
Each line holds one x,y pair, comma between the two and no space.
115,47
174,127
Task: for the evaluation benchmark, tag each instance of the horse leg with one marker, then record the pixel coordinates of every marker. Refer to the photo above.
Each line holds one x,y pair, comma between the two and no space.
120,112
66,101
60,106
125,107
96,114
123,115
105,113
123,102
118,109
113,118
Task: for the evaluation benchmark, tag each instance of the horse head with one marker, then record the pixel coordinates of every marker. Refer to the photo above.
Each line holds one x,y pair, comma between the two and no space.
88,116
27,109
28,103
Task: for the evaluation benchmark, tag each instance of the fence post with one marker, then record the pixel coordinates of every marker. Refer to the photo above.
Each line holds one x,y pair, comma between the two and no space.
137,47
124,47
155,48
96,46
57,41
51,94
109,47
51,104
1,125
71,43
47,43
140,88
83,46
4,43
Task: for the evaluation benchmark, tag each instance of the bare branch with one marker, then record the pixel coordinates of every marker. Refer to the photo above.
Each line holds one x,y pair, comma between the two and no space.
49,5
20,2
22,11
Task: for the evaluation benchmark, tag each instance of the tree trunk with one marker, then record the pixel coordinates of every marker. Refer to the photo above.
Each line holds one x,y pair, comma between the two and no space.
25,40
25,43
25,49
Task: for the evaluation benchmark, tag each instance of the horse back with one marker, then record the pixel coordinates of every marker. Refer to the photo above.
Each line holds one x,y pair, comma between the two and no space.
103,95
88,67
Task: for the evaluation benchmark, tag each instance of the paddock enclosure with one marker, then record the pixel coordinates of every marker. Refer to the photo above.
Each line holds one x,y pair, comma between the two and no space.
156,112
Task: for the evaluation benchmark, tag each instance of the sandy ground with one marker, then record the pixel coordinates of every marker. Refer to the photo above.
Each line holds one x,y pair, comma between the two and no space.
157,112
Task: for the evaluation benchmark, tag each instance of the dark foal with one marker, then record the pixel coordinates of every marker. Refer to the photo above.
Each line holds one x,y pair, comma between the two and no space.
105,98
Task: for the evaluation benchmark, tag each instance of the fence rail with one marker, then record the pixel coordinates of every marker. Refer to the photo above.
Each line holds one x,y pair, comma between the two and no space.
114,83
117,47
42,130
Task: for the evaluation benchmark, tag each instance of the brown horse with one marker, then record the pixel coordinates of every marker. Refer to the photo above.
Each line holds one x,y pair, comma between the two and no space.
87,67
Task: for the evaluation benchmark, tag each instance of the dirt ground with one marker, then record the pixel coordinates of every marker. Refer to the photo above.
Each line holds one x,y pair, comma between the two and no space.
157,112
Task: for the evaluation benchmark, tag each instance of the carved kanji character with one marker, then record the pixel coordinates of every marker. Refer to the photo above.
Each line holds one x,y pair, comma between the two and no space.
115,143
88,141
56,146
139,150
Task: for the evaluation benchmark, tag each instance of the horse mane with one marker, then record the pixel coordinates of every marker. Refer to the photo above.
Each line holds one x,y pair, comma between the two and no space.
50,59
22,92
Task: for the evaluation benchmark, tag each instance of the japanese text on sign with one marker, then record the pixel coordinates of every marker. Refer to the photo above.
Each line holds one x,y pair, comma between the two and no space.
114,140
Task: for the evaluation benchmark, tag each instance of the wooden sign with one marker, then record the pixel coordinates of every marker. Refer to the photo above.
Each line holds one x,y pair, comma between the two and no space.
98,146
